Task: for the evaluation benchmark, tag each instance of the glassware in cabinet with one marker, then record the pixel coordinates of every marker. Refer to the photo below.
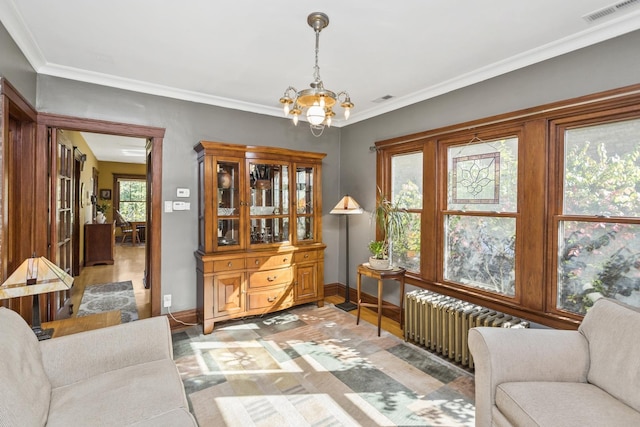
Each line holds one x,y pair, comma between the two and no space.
228,203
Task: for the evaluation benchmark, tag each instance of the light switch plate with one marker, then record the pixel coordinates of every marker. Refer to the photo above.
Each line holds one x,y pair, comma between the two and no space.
168,206
179,206
183,192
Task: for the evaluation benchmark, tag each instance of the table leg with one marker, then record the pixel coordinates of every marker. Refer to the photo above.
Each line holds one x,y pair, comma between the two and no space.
402,303
358,282
379,305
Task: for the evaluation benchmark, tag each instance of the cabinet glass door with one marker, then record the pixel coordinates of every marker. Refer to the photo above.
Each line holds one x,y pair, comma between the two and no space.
304,203
268,203
228,203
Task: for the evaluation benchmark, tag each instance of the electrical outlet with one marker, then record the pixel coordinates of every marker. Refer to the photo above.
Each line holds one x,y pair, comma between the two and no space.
167,300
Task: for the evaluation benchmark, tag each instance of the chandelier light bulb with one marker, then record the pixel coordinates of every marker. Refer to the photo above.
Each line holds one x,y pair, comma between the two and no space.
347,113
329,121
315,114
322,101
295,120
286,109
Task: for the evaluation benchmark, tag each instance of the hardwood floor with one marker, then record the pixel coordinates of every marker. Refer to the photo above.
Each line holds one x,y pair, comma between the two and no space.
128,265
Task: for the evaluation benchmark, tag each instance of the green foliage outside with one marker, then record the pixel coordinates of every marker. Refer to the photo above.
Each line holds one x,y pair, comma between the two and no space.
133,200
600,258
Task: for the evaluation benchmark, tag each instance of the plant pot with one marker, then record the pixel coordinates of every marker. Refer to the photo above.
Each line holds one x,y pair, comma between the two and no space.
379,264
100,218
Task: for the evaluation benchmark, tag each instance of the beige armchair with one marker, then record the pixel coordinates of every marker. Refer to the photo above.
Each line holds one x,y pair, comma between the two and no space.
116,376
544,377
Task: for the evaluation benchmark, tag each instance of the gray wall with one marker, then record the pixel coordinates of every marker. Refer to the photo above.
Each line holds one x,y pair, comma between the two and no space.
15,67
608,65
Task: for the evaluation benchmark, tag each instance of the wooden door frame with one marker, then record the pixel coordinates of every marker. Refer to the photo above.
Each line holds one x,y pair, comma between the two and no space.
154,182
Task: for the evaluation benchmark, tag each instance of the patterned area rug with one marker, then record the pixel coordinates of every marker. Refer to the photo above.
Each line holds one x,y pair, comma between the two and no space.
312,366
110,296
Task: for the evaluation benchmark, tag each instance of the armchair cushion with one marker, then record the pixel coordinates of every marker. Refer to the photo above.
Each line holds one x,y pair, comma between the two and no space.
562,404
121,397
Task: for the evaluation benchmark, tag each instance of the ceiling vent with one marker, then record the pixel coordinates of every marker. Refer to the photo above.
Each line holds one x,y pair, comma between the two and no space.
382,99
609,10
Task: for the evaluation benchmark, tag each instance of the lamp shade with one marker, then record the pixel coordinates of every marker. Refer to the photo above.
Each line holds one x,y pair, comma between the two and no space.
35,276
347,206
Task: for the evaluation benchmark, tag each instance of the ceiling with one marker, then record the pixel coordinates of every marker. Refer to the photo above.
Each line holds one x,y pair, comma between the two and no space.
243,54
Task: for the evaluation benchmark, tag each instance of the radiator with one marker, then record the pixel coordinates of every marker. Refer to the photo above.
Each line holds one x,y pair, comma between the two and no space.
441,323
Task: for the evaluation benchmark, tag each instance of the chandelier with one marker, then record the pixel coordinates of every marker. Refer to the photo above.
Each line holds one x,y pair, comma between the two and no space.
317,101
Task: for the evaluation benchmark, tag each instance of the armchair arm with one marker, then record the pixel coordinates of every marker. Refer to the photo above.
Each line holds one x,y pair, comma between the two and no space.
75,357
506,355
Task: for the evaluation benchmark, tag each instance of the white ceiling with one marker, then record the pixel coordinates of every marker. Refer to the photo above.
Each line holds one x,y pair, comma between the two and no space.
243,54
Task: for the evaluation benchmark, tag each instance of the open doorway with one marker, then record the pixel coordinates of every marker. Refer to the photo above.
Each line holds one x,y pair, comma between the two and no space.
153,138
111,226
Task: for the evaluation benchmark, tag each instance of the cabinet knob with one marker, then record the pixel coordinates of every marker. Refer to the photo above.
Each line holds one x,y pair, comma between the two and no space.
284,259
230,264
257,261
271,299
306,255
271,279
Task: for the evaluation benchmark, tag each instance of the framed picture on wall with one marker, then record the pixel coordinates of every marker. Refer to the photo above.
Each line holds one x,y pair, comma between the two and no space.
105,193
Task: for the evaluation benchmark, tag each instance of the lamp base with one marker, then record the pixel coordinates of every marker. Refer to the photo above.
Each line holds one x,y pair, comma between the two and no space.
43,334
347,306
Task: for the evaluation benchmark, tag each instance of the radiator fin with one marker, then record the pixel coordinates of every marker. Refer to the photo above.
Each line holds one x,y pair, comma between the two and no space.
441,323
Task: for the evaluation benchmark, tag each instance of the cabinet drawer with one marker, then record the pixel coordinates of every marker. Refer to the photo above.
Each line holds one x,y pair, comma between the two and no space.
261,279
279,296
305,256
269,262
228,265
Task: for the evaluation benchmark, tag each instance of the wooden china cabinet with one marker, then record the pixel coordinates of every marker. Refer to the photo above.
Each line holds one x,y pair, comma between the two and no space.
259,230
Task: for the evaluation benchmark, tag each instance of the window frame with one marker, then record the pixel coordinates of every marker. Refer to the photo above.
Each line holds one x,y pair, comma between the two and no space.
558,130
116,189
540,176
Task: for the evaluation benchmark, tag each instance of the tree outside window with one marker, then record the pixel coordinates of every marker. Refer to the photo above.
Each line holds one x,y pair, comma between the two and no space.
132,199
599,230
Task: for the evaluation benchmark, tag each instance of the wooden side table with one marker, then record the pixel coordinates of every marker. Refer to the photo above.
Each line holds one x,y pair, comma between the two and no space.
396,273
73,325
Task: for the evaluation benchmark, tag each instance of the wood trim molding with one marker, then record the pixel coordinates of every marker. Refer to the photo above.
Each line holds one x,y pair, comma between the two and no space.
23,109
100,126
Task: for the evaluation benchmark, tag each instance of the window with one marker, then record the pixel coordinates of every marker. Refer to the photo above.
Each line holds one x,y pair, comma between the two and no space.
480,216
535,212
406,193
132,199
599,229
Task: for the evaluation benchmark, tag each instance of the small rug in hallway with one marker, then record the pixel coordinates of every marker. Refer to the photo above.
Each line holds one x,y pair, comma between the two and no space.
311,366
110,296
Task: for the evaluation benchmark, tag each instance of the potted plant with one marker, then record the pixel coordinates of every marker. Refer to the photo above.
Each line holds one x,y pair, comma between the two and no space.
389,219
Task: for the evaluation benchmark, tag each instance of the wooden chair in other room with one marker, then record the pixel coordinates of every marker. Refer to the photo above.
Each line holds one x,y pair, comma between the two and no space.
125,227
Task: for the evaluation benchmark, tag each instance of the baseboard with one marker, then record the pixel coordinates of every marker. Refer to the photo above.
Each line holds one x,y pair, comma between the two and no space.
187,316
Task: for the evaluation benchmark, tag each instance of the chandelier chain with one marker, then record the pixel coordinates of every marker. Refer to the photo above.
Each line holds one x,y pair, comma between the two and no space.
316,68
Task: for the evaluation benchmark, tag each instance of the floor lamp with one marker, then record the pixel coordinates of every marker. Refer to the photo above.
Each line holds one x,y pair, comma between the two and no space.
347,206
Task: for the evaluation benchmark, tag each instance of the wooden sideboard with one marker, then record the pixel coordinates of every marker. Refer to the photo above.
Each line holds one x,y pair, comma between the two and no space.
98,243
